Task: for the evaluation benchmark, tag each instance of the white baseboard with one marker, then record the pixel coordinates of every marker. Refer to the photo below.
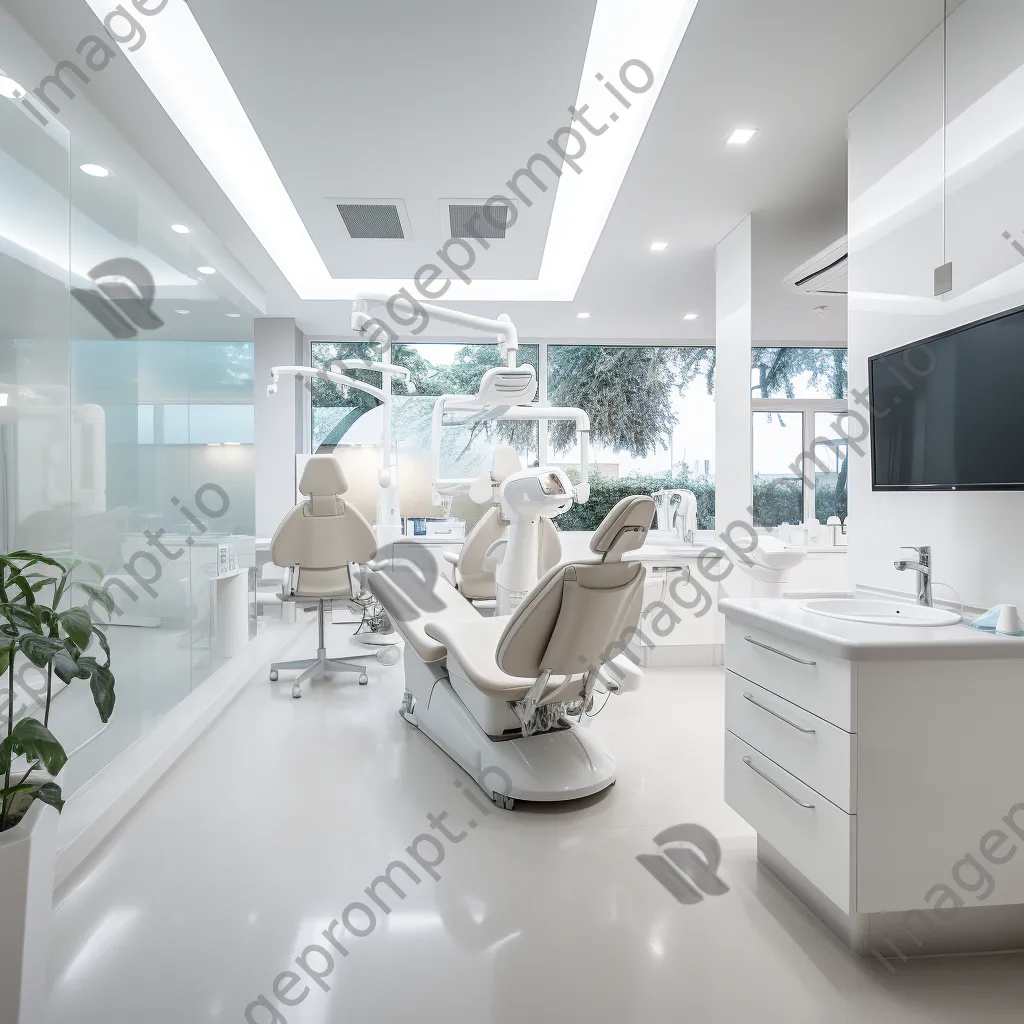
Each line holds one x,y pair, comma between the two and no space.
102,803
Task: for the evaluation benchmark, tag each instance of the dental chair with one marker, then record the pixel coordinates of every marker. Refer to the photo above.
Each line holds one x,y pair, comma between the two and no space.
475,564
498,694
322,542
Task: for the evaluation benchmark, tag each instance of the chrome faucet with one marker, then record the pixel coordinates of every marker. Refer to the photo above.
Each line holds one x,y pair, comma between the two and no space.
923,568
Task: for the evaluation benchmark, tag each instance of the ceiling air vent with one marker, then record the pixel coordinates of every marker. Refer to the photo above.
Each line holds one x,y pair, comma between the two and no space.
478,221
473,218
374,218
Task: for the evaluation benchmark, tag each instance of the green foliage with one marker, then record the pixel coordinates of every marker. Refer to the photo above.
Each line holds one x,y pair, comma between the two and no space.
34,625
604,493
778,367
626,390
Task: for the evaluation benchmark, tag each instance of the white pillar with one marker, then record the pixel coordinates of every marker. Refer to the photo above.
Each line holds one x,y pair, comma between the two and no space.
733,469
279,426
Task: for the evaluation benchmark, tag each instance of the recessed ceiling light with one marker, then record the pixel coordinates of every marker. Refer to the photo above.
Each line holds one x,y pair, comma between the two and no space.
741,136
658,246
206,270
9,88
95,170
233,315
182,229
582,316
690,316
183,312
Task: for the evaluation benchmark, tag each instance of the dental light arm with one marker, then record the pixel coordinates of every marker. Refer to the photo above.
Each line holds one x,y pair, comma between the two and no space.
390,369
444,487
508,338
309,372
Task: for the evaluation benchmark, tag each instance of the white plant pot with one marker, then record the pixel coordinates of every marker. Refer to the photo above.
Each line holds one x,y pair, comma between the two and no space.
27,855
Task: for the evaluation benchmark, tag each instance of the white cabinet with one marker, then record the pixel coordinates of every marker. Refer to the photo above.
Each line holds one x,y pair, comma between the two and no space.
814,835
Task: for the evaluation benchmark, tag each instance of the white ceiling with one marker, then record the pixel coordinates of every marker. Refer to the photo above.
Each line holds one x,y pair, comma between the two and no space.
446,100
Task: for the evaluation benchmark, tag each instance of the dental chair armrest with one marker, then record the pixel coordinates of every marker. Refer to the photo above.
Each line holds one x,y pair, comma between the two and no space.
620,675
355,580
290,583
451,556
494,554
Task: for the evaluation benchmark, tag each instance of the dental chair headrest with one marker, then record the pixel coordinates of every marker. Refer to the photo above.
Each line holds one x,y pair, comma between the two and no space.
505,462
322,476
625,528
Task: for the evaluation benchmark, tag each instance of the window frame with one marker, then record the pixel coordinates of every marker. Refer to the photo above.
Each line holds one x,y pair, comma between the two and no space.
807,407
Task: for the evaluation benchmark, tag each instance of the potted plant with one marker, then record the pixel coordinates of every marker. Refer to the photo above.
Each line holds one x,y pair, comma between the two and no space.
34,626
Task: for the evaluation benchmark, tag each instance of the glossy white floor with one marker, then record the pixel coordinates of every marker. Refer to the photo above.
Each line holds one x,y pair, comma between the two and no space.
285,811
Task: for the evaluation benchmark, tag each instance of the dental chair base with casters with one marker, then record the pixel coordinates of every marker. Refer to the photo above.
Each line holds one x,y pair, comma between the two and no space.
498,694
322,542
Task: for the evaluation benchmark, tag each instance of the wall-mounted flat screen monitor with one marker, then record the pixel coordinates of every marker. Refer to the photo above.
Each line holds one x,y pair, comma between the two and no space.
947,413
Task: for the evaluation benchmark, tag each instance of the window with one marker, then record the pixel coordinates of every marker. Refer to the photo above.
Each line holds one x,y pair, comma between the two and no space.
799,400
652,423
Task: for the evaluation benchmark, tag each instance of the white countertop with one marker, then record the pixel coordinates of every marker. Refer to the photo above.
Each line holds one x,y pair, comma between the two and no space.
862,641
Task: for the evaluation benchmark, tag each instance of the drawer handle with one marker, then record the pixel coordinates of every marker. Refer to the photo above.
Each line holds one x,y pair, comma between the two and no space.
775,650
781,789
764,707
669,568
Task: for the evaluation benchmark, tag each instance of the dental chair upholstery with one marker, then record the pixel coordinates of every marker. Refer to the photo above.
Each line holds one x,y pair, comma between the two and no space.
578,617
322,542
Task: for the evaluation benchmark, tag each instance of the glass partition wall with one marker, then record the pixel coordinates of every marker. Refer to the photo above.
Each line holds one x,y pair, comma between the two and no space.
126,427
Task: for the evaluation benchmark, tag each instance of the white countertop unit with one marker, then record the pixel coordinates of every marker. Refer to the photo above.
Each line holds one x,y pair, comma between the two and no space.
861,641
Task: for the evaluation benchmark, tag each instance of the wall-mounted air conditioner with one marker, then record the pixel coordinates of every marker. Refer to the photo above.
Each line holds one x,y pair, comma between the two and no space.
824,274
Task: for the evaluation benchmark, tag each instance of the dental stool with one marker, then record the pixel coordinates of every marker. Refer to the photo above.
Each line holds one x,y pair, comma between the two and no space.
322,542
477,560
496,694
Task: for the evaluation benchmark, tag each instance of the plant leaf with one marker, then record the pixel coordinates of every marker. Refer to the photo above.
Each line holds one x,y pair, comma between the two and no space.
5,658
31,738
49,793
39,649
98,594
66,668
22,616
102,637
77,624
32,557
96,568
101,682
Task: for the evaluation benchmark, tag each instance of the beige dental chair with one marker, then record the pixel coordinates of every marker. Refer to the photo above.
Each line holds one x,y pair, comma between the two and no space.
322,542
475,563
496,694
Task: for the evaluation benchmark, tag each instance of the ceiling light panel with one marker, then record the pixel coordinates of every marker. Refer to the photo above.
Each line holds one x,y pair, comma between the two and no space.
625,39
741,136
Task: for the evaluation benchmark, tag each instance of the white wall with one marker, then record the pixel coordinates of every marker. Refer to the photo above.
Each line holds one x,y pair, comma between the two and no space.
732,376
279,434
922,192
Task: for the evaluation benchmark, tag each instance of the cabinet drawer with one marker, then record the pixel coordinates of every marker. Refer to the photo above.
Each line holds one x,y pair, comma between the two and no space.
814,835
817,682
815,751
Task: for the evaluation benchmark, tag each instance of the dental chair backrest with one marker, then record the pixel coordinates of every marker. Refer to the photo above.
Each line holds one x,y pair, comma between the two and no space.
476,581
582,614
323,534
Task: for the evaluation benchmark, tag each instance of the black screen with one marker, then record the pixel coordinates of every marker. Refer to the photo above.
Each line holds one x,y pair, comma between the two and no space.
948,412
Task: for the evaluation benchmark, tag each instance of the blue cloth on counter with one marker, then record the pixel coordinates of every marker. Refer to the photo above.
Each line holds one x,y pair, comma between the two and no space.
988,621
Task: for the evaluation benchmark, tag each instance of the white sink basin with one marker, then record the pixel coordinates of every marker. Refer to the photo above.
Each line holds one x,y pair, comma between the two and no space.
881,613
